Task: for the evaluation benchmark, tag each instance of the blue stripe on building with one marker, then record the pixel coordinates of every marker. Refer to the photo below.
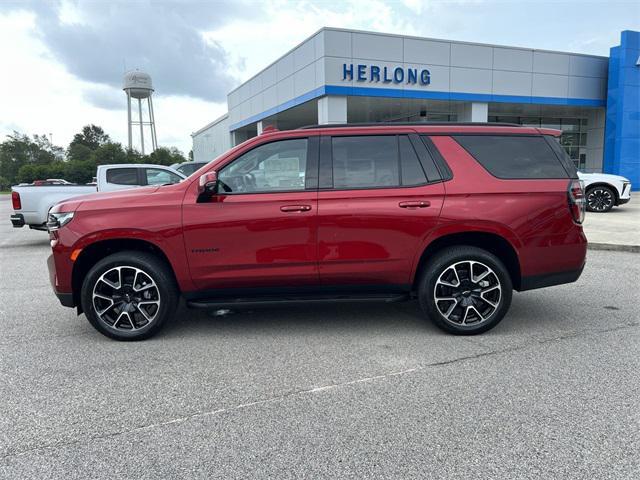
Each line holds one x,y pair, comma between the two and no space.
420,94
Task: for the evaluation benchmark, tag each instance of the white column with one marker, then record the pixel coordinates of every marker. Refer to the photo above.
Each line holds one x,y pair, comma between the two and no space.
259,127
474,112
233,138
332,109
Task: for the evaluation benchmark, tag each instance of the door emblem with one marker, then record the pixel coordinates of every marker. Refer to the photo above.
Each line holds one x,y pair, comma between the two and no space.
205,250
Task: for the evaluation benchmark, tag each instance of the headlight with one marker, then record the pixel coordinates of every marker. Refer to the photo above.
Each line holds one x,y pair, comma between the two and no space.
58,220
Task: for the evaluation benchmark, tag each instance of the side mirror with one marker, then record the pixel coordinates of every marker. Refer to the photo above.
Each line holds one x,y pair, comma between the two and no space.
208,183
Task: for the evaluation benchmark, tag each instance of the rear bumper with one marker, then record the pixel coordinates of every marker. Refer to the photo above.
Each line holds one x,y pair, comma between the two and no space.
17,220
622,201
550,279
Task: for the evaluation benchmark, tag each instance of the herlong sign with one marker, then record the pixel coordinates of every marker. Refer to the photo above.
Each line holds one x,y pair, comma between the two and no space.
376,74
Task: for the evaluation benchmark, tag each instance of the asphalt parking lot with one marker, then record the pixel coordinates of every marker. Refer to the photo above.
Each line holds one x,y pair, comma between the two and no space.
351,391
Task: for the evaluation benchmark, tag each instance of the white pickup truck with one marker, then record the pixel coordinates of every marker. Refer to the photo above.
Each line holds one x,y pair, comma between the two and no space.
31,203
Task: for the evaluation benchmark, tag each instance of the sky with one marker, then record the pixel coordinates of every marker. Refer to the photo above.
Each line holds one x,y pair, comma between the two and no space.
63,60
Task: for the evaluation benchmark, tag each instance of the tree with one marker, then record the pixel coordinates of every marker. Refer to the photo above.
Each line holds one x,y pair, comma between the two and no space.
19,150
25,159
92,136
43,144
109,153
134,156
30,172
166,156
4,184
80,171
78,152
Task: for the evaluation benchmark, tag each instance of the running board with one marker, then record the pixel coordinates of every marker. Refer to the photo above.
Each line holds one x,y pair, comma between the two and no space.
267,301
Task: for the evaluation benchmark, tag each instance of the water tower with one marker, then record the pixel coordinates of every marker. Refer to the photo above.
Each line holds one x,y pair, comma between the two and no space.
138,85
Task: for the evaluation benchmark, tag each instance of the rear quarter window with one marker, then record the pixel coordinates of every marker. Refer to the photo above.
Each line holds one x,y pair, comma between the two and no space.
560,152
514,157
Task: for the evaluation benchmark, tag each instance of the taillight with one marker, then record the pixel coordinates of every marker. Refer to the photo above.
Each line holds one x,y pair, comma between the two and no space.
15,200
577,200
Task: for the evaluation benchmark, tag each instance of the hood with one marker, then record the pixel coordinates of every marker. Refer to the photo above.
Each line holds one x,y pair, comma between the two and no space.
129,194
602,177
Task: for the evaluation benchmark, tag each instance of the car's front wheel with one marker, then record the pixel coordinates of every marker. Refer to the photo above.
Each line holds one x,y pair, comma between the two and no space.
465,290
129,295
600,199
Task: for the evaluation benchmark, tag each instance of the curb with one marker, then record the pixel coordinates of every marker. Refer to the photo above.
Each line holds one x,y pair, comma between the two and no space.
612,247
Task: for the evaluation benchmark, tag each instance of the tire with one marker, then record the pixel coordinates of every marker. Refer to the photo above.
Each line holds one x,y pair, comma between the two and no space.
477,306
600,199
145,305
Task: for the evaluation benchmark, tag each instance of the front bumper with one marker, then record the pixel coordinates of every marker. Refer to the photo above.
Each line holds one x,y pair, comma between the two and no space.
17,220
66,298
625,194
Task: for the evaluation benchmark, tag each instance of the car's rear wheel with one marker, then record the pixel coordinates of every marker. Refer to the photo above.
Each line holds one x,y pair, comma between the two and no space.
465,290
600,199
129,295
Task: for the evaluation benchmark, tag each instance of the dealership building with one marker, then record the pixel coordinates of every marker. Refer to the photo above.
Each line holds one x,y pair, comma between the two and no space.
348,76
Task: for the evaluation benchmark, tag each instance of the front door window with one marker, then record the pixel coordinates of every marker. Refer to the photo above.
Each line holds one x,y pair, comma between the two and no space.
272,167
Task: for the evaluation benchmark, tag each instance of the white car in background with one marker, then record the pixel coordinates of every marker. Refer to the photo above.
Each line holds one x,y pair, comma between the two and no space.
604,191
187,168
31,203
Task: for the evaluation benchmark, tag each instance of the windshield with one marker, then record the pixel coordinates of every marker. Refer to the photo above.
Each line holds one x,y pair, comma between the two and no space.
187,169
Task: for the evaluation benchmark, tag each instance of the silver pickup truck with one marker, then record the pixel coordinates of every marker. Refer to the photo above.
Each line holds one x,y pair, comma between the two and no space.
31,203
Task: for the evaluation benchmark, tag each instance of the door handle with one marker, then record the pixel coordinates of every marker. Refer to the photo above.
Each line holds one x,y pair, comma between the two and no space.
295,208
415,204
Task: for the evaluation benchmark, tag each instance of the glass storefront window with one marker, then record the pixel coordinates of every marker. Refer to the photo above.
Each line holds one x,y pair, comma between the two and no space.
504,119
573,152
440,117
554,123
570,124
530,121
583,139
570,139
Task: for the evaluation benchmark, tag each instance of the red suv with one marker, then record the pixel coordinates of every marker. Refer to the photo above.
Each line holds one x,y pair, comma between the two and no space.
457,215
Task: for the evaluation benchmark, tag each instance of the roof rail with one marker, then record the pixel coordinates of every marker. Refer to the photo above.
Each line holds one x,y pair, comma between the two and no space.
419,124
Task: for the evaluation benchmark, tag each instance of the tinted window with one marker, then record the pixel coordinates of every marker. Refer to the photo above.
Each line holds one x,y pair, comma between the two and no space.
189,168
272,167
444,171
514,156
366,161
412,173
158,176
122,176
569,166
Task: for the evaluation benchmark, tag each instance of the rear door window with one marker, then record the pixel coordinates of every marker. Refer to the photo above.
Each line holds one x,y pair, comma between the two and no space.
123,176
365,162
514,157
